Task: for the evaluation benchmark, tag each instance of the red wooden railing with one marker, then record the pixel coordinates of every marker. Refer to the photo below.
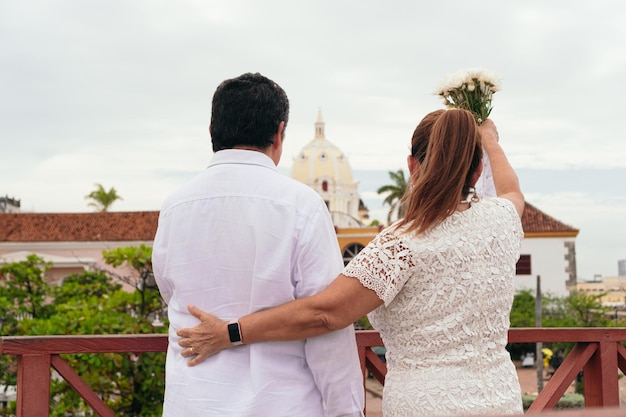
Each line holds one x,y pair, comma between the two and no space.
599,352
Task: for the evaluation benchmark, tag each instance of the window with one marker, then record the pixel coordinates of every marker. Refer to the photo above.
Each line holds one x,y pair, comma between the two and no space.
351,251
325,186
523,265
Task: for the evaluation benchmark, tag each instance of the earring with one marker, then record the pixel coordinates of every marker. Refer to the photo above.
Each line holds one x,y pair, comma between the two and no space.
475,198
472,196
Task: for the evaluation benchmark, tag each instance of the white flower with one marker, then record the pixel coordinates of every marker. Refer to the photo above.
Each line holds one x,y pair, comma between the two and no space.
470,89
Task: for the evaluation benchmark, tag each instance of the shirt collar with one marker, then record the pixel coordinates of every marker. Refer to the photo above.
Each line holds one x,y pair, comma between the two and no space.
241,156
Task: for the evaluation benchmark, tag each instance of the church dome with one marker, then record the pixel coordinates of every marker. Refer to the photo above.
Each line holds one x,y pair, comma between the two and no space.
323,166
321,159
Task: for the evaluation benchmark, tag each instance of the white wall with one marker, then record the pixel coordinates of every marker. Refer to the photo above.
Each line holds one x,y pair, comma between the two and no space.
547,259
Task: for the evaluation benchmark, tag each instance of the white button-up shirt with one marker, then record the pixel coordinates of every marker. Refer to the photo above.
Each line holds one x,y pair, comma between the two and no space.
238,238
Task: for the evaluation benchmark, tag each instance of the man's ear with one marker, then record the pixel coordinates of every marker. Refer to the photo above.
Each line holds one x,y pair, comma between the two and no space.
277,143
279,136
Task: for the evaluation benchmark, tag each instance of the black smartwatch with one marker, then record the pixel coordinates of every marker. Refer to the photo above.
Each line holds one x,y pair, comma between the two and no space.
234,333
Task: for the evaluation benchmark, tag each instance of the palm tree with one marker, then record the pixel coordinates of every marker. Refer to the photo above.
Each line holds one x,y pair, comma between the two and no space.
102,199
395,193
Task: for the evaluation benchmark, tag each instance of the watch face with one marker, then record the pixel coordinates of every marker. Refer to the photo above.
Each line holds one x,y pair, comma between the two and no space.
233,333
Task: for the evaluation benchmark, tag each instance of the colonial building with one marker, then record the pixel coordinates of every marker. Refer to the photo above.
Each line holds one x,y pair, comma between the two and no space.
75,241
548,251
324,167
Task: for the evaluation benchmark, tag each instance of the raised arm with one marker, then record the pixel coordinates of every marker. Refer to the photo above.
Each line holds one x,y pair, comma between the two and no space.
343,302
504,177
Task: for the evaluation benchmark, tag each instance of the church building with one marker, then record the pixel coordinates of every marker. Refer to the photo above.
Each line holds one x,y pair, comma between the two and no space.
324,167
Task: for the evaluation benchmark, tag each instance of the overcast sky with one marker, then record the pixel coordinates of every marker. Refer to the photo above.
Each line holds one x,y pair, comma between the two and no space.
118,92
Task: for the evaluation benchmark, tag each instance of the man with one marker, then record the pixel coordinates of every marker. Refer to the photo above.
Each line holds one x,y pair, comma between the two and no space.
241,237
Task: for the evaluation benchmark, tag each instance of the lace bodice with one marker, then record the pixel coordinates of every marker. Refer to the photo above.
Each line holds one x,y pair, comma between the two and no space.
447,296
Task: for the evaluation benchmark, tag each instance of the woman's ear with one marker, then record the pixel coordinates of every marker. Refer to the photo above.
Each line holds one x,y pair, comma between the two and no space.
414,167
476,174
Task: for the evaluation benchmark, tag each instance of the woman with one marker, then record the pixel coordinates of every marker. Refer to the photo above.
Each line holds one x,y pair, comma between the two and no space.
438,283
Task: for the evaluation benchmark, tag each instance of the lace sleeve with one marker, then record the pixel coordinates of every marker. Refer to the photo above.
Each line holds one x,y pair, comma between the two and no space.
383,266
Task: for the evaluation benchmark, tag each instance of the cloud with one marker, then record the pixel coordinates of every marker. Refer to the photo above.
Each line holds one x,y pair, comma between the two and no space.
119,92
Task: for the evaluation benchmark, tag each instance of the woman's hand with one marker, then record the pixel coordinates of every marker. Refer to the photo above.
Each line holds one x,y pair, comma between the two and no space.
504,177
488,132
204,340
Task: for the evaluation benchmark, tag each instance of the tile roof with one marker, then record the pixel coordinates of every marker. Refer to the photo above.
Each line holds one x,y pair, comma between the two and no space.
78,227
142,225
536,221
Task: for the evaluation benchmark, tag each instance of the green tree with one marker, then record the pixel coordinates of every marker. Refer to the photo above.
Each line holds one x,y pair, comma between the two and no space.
522,315
23,291
395,193
579,309
523,310
102,199
92,303
140,259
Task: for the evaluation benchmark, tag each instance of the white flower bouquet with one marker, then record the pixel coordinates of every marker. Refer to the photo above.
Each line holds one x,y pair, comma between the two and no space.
472,90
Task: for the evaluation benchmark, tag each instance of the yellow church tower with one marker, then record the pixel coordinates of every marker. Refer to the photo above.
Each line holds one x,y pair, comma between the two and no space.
324,167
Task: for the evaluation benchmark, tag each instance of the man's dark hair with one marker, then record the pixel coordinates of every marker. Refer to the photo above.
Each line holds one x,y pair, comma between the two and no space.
247,111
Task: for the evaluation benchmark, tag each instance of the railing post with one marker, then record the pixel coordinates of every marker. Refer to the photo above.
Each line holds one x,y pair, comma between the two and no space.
600,377
33,385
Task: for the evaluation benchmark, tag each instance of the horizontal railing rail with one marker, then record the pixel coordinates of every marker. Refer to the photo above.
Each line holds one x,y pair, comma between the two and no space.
598,352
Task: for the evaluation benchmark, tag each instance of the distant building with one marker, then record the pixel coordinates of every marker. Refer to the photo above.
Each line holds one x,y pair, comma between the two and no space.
9,205
613,290
324,167
549,251
76,240
621,267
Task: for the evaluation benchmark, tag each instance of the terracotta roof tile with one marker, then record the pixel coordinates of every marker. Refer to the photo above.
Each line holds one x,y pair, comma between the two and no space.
81,227
142,225
536,221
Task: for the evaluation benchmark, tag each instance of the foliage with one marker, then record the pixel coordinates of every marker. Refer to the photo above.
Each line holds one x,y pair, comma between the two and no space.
395,193
24,291
102,199
90,303
522,315
363,324
138,257
523,311
579,309
567,401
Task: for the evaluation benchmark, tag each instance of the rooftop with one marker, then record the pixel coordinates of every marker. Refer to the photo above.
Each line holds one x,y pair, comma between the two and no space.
142,225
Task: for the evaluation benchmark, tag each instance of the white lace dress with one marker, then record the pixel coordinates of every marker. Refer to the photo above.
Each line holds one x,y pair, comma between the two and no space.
447,297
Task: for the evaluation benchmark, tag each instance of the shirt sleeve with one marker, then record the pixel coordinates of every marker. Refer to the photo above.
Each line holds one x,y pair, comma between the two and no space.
333,358
159,257
383,266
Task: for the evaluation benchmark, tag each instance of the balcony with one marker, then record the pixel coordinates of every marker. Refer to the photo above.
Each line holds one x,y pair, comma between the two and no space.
598,352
